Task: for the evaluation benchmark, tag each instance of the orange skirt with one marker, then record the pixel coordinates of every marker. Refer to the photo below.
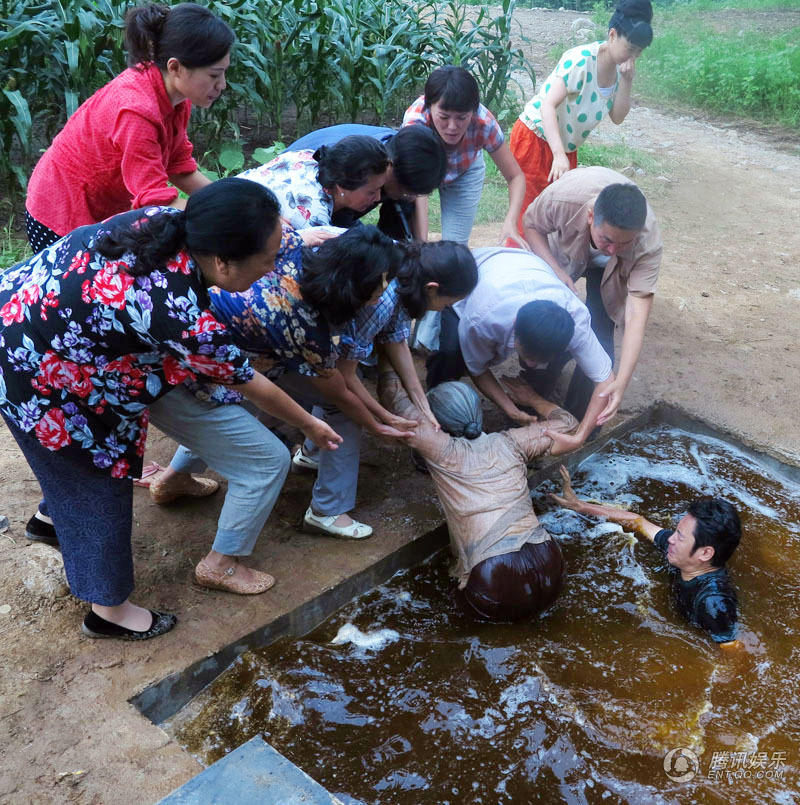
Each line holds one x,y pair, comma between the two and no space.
535,158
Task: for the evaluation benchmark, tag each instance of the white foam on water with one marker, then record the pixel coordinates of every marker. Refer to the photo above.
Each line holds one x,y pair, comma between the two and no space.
370,641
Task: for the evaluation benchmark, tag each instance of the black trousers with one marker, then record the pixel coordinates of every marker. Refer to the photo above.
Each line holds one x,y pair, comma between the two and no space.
448,362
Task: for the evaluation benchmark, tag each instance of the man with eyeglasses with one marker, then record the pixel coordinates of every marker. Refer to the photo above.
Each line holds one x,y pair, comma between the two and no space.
418,165
595,223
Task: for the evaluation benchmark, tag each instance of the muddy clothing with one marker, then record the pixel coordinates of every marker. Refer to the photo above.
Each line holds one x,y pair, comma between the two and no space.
515,585
561,211
707,601
482,483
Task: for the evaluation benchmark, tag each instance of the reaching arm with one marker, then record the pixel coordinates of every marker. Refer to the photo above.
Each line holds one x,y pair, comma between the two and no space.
540,247
554,98
402,362
633,522
515,179
426,439
565,443
637,311
268,397
488,384
335,389
420,222
349,372
189,182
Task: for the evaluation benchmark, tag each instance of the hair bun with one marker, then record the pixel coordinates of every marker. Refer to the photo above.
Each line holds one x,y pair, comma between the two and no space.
472,430
636,9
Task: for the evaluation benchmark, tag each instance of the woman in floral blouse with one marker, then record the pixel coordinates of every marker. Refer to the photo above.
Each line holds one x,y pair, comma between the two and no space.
312,185
290,319
97,327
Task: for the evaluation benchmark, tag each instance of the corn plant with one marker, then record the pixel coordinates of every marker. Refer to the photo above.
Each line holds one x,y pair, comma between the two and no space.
296,63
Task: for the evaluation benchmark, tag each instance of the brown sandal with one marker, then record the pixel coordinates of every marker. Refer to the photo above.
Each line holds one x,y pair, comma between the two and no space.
229,581
183,485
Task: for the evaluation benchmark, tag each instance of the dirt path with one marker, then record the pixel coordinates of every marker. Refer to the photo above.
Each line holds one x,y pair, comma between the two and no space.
720,343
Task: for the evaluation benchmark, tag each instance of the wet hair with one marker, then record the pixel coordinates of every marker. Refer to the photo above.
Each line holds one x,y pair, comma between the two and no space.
453,88
187,32
457,407
543,329
621,205
632,19
447,263
717,526
418,159
343,274
351,162
232,219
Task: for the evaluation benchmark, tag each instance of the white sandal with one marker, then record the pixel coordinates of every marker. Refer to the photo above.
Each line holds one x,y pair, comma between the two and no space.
303,463
323,524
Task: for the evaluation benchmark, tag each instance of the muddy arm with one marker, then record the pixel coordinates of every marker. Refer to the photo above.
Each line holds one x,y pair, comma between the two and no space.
394,397
628,520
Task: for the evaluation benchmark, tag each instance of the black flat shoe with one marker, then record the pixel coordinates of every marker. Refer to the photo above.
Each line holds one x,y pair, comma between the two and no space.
95,626
37,530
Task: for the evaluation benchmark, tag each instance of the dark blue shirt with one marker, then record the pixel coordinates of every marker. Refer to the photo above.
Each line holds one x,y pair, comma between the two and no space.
707,601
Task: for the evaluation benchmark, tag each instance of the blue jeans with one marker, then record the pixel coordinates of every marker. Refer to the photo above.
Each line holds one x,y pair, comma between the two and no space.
230,440
337,476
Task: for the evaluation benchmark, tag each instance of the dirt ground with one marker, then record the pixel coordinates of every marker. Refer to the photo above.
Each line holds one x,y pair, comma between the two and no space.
720,344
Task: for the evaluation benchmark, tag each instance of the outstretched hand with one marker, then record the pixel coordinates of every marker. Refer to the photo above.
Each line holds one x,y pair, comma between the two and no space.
322,434
568,499
562,442
389,432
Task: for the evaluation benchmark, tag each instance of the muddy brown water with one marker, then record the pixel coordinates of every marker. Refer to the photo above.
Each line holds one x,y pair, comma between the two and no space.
398,698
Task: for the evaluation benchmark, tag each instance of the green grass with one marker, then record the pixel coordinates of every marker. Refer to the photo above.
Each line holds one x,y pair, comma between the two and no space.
618,157
13,248
754,75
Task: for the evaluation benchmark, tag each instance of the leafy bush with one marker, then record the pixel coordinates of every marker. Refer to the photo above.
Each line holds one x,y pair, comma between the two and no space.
314,62
754,75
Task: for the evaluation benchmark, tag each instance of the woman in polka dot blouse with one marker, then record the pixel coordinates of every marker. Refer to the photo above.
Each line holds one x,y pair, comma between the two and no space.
588,82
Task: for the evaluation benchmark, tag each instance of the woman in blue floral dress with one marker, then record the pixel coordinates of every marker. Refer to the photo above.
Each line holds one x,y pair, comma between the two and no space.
99,326
356,289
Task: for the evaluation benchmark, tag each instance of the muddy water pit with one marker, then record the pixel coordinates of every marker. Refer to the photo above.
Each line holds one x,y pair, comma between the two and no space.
398,698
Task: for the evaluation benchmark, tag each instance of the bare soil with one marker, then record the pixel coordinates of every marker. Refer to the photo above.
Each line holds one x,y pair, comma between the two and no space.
720,343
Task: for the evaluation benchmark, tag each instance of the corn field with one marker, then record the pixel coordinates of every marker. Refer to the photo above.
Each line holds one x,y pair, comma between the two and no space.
296,65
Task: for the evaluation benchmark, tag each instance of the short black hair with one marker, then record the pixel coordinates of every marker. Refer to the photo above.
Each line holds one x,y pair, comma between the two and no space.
453,87
418,159
717,526
621,205
543,329
351,162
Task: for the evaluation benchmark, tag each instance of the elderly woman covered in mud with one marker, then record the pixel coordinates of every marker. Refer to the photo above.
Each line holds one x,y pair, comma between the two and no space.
508,567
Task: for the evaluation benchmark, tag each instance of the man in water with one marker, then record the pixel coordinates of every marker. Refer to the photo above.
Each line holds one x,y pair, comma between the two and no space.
696,550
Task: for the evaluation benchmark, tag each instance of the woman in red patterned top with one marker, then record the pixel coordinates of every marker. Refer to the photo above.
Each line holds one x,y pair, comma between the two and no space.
122,146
